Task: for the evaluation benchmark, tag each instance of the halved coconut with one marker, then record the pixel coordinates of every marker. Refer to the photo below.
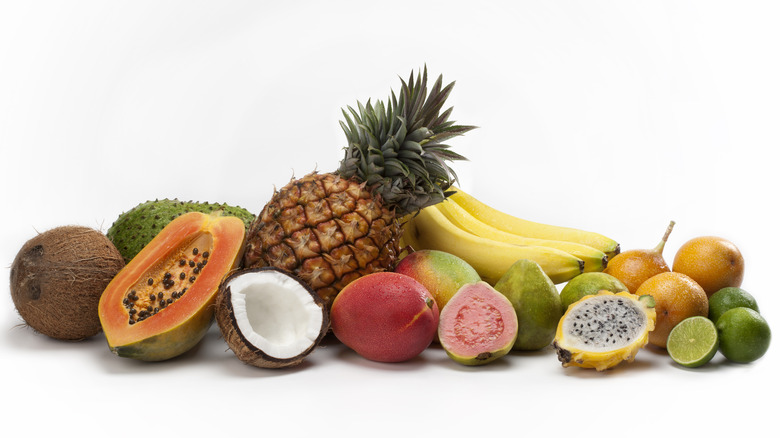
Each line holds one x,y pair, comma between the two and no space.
269,318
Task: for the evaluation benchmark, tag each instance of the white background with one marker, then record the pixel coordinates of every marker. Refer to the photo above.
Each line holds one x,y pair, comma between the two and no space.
611,116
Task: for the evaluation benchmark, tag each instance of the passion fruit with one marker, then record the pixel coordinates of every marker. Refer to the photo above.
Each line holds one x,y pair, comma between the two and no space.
633,267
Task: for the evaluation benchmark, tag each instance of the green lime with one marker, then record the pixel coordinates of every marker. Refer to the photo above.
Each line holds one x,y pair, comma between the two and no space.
693,342
744,335
729,298
589,283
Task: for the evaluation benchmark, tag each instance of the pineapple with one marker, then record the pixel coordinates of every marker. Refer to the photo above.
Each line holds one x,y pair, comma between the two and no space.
332,228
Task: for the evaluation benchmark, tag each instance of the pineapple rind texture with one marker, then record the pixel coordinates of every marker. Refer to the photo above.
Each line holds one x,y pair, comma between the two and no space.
325,229
330,229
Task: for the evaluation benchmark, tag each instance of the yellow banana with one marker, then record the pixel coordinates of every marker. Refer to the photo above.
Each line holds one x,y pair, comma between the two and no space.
522,227
595,260
430,229
408,236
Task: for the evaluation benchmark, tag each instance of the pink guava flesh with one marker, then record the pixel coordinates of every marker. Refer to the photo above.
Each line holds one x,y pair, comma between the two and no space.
476,321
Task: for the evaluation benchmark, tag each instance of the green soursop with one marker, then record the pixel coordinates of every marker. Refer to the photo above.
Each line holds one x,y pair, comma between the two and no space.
135,228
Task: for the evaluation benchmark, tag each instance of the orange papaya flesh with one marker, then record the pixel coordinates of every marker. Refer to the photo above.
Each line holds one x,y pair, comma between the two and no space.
161,304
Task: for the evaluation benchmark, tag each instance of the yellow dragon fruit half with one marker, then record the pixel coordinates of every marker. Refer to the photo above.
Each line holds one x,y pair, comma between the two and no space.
601,331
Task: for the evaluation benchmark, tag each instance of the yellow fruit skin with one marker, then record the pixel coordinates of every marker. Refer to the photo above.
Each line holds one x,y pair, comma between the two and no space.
430,229
595,260
482,359
602,360
522,227
677,297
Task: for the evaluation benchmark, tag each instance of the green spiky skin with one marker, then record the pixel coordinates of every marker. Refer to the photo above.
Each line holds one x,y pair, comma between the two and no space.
136,227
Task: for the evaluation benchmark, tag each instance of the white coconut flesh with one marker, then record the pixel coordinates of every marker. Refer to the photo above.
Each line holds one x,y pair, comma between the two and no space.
604,323
275,313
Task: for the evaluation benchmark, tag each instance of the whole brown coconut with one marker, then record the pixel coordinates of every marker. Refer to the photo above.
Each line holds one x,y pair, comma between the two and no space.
57,279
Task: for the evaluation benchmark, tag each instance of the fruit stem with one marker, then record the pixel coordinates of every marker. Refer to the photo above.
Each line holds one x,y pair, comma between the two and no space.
660,247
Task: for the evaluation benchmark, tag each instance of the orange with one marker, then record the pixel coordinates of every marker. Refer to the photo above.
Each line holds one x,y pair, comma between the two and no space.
711,261
677,297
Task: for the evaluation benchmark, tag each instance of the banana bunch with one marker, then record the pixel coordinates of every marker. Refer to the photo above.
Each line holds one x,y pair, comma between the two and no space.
491,241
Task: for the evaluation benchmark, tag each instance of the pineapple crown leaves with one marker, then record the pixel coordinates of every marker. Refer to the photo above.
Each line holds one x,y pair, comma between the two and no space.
398,148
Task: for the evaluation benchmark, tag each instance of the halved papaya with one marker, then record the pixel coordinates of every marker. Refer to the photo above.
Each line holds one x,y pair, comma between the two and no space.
160,304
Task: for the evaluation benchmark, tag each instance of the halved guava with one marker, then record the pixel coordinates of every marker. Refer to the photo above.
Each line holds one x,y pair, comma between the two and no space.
478,325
